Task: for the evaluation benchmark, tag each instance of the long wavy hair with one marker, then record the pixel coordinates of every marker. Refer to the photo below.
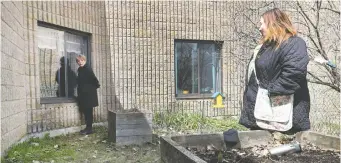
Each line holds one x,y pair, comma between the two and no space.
279,27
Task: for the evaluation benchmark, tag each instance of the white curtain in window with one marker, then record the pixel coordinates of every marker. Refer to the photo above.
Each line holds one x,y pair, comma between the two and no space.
50,45
50,39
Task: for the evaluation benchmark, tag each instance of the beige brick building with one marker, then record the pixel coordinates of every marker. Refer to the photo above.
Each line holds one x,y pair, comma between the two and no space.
136,49
23,110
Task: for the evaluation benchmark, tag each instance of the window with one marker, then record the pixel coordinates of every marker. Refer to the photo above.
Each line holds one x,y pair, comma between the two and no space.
198,68
58,50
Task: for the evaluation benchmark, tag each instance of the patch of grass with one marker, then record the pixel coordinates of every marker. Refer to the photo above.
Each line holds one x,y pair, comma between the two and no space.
45,149
75,148
192,121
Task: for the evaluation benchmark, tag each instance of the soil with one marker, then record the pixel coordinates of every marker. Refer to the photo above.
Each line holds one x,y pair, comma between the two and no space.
250,155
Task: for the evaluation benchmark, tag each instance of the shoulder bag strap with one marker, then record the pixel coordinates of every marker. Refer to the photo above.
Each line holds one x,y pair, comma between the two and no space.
253,61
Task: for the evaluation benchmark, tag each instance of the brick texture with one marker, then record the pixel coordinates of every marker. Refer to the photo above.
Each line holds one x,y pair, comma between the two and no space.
13,97
20,87
142,38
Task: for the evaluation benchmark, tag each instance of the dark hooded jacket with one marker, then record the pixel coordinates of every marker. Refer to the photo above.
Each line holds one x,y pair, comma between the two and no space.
282,71
87,87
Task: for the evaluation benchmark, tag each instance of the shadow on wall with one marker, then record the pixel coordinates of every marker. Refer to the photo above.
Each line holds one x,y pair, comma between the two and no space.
127,127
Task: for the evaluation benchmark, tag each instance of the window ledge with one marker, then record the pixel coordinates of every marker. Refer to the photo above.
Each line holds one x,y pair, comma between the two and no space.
57,100
194,96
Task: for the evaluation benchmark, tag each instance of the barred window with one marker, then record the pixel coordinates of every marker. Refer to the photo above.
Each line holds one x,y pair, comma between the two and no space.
198,68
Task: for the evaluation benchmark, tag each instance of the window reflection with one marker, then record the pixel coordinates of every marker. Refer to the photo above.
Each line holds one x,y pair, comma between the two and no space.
57,58
197,67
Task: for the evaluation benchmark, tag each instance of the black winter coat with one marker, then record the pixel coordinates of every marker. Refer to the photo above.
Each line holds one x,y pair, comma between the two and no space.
282,72
87,87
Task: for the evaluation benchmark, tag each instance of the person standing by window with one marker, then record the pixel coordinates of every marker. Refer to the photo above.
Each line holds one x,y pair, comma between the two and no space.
281,69
87,92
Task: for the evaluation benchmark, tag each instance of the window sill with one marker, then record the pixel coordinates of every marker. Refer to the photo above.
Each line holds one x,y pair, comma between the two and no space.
194,96
57,100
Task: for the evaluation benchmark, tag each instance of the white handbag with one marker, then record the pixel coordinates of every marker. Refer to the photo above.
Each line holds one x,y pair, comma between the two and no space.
273,113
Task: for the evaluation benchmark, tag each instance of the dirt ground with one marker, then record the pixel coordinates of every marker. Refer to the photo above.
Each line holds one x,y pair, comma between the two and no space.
248,156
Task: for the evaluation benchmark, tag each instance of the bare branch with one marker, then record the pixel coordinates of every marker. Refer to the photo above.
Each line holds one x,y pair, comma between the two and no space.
318,6
315,27
305,15
326,84
300,23
331,4
315,77
318,47
313,21
335,11
266,5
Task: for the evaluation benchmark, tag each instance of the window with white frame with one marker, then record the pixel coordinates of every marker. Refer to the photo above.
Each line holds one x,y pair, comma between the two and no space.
197,68
57,51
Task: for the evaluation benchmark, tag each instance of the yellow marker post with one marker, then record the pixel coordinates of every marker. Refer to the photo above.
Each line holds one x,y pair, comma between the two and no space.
218,100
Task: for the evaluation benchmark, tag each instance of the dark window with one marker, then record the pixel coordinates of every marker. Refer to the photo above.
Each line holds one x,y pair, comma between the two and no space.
198,68
57,62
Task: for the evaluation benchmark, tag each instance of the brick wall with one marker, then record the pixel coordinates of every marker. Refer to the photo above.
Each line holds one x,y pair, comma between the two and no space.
13,75
142,48
60,115
142,38
86,17
21,109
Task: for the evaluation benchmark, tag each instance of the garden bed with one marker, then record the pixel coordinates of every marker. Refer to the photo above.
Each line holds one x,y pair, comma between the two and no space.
129,127
248,155
251,148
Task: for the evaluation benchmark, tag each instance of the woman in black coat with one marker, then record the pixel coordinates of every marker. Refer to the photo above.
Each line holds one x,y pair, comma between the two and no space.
281,68
87,92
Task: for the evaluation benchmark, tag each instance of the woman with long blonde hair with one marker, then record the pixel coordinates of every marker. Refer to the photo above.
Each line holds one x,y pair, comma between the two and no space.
279,66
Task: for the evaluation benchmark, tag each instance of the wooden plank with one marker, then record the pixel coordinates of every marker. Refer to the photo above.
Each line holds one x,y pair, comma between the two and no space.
171,152
111,127
133,122
131,118
134,115
133,140
134,126
129,128
133,132
122,118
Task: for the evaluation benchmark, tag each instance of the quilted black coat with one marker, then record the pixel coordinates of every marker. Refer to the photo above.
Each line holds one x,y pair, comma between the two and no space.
282,71
87,88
